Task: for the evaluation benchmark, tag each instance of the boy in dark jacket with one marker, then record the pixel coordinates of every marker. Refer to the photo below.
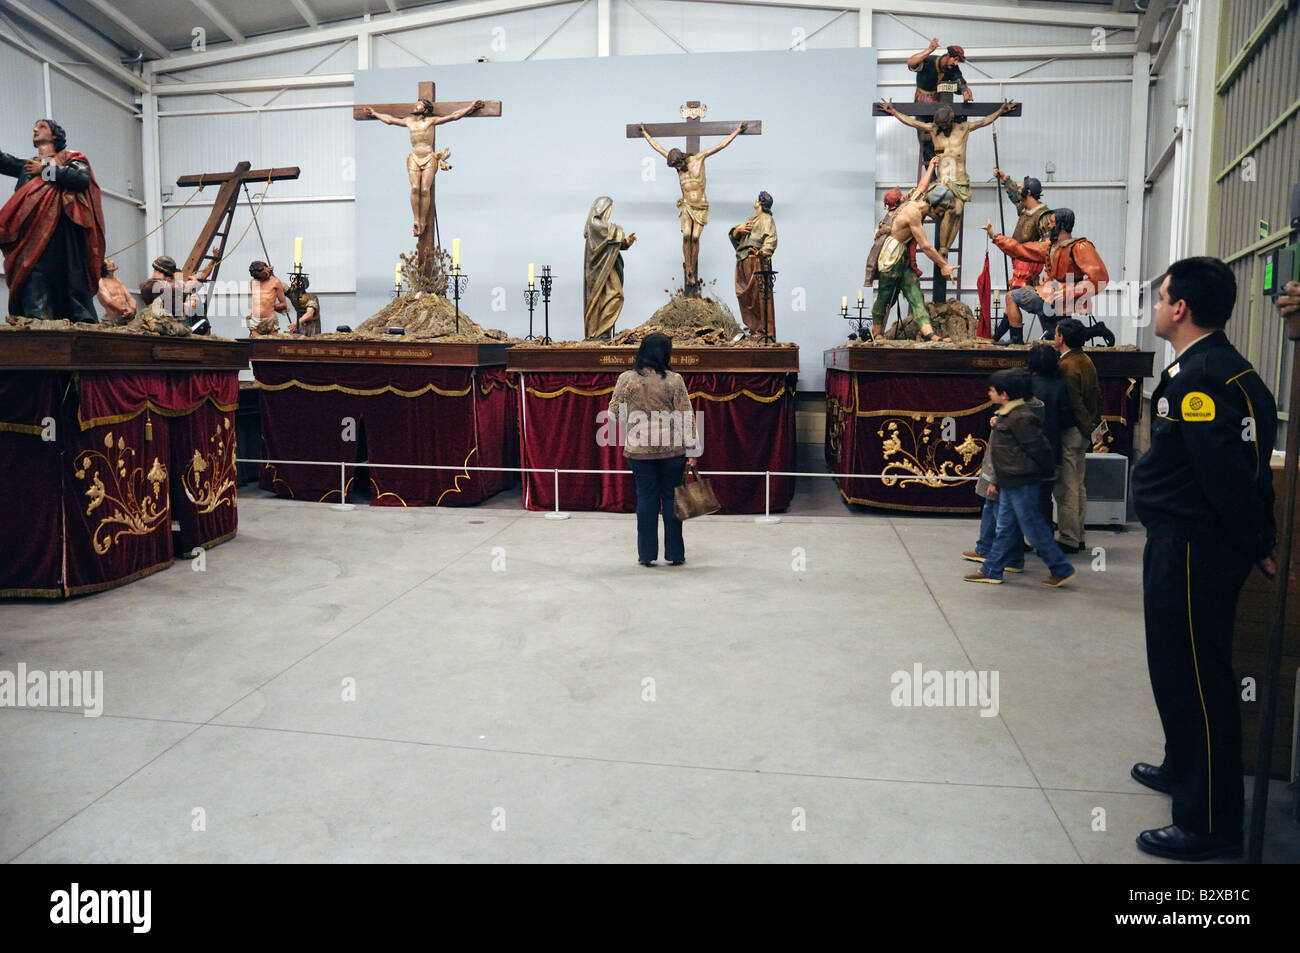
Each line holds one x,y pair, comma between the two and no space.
1022,459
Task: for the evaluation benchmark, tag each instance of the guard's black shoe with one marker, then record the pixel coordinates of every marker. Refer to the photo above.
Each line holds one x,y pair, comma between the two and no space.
1154,778
1177,844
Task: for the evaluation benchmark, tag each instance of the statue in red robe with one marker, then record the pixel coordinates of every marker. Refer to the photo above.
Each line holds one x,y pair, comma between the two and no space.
52,230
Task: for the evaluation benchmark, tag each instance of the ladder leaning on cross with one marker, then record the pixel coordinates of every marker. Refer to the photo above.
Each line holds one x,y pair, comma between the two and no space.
924,111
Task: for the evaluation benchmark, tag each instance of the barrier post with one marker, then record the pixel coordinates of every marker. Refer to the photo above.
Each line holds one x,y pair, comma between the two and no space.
343,505
557,515
767,519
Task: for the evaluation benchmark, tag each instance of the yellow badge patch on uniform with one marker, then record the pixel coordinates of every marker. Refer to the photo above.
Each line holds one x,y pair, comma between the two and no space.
1197,407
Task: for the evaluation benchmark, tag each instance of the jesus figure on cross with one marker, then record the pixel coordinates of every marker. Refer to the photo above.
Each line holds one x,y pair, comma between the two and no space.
424,161
693,206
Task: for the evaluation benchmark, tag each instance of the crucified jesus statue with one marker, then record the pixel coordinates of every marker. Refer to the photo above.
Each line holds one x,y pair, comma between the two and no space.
949,134
424,161
693,206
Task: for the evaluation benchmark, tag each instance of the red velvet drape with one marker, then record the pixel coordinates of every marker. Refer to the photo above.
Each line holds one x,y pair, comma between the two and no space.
748,425
31,508
414,414
98,499
117,503
893,424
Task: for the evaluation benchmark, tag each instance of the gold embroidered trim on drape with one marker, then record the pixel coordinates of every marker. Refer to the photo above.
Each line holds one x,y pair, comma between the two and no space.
908,506
114,583
920,460
151,406
570,389
55,593
371,392
33,429
490,386
743,392
374,488
917,414
136,503
347,487
455,487
275,478
217,489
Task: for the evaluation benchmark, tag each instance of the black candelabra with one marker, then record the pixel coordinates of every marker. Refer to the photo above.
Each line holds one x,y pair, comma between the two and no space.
458,282
766,286
530,298
862,332
546,279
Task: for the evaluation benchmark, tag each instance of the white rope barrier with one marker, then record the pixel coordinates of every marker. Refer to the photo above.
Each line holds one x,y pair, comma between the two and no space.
767,516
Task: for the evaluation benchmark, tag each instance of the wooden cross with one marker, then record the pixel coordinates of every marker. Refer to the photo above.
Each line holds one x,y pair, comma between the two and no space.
926,111
211,243
693,128
427,90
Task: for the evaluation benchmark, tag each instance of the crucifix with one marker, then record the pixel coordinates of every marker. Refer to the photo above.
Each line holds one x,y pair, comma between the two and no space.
211,243
693,206
422,165
948,126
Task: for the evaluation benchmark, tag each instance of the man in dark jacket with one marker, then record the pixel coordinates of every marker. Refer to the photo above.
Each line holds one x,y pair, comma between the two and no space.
1204,491
1022,459
1049,387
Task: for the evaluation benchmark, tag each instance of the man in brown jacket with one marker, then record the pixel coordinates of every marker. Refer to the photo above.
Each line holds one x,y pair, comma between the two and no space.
1084,394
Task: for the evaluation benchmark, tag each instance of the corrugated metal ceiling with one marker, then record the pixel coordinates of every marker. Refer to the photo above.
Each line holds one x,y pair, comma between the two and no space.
171,22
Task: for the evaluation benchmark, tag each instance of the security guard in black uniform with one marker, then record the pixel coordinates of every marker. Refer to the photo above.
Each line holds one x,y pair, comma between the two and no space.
1204,492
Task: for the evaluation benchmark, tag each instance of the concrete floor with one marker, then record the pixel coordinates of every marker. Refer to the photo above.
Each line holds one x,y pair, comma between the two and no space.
516,697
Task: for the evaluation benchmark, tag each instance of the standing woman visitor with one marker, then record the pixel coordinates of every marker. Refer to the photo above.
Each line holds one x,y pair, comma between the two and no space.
658,425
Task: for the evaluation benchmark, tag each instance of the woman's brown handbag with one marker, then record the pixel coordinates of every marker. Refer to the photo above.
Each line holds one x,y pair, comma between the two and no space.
694,497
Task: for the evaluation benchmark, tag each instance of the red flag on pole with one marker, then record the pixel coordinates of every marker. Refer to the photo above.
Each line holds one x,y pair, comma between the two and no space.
984,286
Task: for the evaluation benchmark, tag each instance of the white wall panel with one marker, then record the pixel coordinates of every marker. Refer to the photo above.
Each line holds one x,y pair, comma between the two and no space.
24,92
888,33
108,136
723,28
505,37
1088,147
194,144
334,58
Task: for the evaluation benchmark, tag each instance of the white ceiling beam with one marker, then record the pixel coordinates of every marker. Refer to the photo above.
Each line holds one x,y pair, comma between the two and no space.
306,13
222,21
107,64
427,16
126,23
1018,53
1150,20
315,81
970,11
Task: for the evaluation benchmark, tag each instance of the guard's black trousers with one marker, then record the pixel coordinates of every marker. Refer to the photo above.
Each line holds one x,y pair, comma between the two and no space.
1190,592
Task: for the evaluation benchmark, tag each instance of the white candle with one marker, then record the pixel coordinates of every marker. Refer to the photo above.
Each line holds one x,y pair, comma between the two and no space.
531,275
455,253
297,253
844,303
860,297
397,281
